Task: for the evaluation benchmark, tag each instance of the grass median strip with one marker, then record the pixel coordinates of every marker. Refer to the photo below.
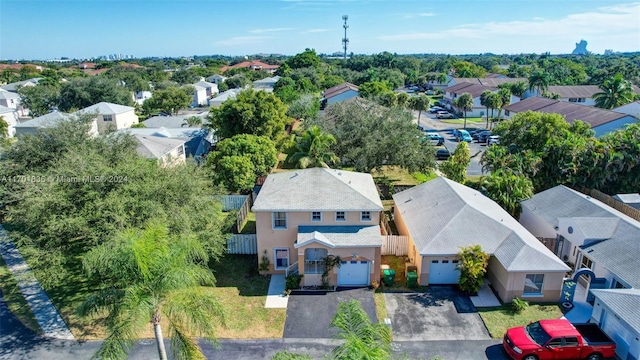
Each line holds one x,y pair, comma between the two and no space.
15,300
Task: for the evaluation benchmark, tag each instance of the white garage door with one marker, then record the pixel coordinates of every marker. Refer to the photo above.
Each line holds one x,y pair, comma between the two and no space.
618,332
353,273
443,272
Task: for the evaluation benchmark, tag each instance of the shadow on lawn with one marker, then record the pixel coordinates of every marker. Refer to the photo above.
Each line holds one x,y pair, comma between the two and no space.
240,271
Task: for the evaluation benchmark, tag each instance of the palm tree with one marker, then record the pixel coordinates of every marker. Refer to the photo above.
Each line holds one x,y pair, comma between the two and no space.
363,339
465,103
539,81
507,188
616,91
192,121
151,275
505,100
420,103
312,150
484,101
494,101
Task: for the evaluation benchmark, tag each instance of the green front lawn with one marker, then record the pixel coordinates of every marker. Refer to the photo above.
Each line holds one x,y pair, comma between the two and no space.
473,120
499,319
15,300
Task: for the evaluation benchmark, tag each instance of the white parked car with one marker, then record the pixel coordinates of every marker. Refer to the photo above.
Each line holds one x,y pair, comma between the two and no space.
493,140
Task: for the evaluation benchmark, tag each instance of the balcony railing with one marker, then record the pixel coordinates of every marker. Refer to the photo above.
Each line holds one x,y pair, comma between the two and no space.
293,269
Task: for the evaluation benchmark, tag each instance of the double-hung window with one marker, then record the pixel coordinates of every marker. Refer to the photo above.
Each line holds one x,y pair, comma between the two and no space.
279,220
533,284
107,118
365,216
341,216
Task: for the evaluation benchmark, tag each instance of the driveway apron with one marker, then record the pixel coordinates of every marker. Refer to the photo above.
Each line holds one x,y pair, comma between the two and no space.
309,314
439,313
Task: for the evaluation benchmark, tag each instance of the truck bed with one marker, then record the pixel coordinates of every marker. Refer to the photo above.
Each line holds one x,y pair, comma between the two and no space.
592,334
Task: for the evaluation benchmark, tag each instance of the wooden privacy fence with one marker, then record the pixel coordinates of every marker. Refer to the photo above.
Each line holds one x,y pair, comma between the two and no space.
397,245
243,212
620,206
243,244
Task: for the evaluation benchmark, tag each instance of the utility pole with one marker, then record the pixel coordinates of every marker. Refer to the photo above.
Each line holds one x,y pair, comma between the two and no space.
345,40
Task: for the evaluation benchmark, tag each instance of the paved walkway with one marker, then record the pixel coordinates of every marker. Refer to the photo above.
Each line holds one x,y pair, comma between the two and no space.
46,315
485,297
275,296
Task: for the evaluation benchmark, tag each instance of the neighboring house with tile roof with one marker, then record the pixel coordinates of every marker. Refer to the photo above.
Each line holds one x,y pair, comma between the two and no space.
31,127
166,151
13,87
303,216
589,233
253,65
111,117
452,93
339,93
442,216
602,121
578,94
10,116
617,312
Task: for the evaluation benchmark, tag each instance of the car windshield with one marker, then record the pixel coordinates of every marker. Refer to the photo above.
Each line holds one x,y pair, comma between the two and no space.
537,333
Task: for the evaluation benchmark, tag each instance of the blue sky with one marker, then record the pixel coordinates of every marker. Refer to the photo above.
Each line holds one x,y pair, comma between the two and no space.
88,28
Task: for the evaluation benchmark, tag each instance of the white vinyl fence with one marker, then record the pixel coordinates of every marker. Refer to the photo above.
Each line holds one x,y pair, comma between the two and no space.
397,245
242,244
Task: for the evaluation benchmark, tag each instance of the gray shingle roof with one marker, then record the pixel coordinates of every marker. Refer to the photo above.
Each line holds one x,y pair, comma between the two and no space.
49,119
340,236
596,228
318,189
490,81
442,216
4,94
620,253
4,109
13,87
339,89
473,89
175,121
624,302
106,108
154,147
574,91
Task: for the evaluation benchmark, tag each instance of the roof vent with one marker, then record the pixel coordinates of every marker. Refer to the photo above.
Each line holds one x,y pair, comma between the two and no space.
409,199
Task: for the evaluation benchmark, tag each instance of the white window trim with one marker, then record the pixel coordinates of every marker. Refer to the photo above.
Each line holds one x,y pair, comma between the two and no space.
105,117
320,216
273,221
275,259
540,294
345,216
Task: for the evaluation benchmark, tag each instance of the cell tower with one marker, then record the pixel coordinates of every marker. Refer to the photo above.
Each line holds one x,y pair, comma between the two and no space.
345,40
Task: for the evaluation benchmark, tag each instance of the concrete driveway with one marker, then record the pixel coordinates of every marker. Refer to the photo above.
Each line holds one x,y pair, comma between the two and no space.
439,313
309,314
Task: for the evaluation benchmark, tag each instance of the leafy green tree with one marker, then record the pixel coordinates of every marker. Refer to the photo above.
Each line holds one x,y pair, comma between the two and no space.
306,107
308,58
258,149
362,338
419,103
4,128
505,100
464,102
465,69
237,81
388,99
508,188
80,93
369,136
312,149
251,112
236,173
539,81
370,90
285,355
455,167
402,99
169,100
494,101
39,99
184,76
615,92
151,275
472,265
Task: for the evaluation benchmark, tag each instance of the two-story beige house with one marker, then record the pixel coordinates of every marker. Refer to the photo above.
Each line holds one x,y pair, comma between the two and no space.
305,216
111,117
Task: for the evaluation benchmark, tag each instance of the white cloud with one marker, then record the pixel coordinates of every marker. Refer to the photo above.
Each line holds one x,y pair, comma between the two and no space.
241,40
315,31
604,20
262,31
424,14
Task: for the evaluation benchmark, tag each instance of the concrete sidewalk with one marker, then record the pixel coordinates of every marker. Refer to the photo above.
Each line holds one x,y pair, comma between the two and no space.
46,315
275,295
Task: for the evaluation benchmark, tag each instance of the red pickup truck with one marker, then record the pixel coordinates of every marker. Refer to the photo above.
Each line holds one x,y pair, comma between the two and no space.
558,339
